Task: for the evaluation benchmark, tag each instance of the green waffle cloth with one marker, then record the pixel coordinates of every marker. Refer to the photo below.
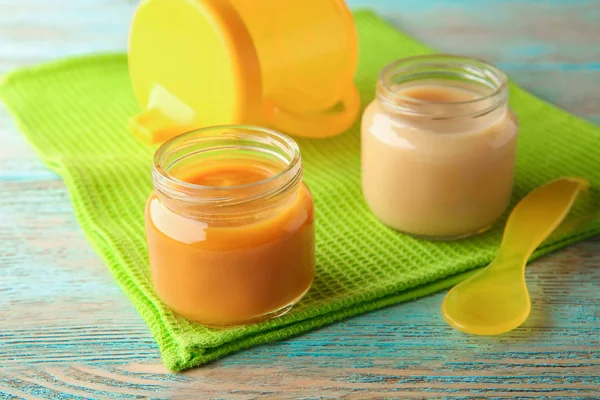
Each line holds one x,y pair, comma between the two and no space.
74,113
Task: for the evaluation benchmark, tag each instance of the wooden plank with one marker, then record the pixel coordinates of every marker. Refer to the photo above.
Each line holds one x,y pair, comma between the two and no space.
67,331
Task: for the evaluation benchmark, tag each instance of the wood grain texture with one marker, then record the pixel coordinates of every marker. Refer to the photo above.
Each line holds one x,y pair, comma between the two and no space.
67,331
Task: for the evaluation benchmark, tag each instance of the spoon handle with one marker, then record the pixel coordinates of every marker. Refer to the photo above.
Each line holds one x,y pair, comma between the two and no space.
538,214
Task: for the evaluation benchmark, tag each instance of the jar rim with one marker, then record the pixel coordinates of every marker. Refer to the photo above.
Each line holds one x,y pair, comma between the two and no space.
163,151
437,62
217,141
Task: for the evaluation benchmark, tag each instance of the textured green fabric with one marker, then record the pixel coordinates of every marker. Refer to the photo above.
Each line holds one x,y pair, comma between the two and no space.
74,112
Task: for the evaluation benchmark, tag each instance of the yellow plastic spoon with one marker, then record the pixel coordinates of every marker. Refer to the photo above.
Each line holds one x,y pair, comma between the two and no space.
496,299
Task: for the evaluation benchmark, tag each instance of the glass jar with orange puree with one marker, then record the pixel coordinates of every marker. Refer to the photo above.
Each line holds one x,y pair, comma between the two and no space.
438,146
230,225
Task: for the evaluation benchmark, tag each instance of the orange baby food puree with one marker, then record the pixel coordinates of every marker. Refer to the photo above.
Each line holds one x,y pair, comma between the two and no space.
249,264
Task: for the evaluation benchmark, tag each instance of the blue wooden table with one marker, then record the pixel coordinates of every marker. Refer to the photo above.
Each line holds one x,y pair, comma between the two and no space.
67,331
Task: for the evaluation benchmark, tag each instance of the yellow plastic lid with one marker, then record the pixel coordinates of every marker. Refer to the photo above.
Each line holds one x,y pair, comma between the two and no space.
192,64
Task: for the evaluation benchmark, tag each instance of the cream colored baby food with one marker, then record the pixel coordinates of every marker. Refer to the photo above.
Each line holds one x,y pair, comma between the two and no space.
438,156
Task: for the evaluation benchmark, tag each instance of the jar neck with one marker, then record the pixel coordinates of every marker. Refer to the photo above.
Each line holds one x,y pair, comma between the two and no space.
249,146
486,86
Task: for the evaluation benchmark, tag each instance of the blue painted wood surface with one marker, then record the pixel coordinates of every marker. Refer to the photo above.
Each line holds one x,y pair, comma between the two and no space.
67,331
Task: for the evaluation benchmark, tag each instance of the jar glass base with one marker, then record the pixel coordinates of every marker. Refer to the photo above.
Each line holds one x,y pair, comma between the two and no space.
261,318
449,237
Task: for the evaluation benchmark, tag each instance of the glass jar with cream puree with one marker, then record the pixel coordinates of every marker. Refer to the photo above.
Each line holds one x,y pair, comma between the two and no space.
230,225
438,146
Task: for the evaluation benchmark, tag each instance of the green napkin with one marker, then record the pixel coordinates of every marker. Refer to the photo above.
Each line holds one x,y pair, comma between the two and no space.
74,113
